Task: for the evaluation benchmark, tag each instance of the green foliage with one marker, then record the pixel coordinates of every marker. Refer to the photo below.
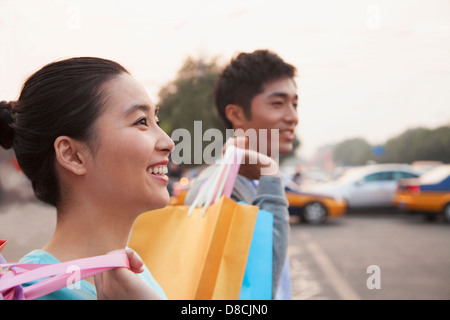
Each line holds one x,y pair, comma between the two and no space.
189,98
418,144
352,152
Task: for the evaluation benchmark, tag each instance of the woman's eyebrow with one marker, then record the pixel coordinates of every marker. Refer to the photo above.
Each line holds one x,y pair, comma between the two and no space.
143,107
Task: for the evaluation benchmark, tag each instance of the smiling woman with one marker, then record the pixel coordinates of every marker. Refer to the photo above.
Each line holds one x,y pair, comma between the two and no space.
86,134
129,141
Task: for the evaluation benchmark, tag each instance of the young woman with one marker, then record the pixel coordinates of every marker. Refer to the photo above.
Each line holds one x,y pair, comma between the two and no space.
86,134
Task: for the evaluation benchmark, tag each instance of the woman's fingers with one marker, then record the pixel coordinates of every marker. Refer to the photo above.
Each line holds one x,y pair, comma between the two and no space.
136,264
123,283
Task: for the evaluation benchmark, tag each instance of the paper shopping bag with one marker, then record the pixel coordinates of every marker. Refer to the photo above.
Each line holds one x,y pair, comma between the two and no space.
198,256
2,244
257,283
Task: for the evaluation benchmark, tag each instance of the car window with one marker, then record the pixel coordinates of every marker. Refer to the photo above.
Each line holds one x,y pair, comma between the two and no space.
403,175
378,176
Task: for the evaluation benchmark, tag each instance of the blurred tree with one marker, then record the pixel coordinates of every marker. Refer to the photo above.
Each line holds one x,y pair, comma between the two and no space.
355,151
189,98
419,144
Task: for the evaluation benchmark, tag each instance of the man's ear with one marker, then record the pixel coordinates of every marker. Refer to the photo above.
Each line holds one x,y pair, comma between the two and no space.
71,154
235,114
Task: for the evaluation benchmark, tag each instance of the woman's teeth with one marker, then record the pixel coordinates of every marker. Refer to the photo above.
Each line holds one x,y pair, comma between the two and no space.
160,170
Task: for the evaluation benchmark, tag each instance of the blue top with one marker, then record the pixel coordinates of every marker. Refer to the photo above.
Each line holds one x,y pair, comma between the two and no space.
84,291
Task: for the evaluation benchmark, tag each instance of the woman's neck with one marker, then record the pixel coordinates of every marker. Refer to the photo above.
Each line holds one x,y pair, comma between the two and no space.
86,231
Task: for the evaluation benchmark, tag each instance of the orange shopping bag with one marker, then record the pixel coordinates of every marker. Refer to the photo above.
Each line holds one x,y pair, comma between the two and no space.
199,252
197,256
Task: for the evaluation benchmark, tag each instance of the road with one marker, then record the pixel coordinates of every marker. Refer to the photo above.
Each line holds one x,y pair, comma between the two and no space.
371,255
408,258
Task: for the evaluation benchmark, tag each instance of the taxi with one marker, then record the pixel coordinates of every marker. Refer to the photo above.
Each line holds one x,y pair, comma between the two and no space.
314,208
429,194
311,208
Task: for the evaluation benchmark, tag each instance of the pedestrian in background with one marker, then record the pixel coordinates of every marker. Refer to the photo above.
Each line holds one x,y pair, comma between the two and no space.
256,91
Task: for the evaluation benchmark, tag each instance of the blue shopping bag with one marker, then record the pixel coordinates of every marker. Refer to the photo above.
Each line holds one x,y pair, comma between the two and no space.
257,283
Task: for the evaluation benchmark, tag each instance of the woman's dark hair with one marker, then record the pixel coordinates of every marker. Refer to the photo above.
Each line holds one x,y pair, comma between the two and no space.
245,76
64,98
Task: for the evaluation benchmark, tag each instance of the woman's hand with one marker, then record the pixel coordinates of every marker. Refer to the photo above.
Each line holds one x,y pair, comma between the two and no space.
255,164
123,283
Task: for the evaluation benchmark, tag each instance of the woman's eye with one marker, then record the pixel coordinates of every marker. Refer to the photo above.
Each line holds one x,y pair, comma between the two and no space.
142,121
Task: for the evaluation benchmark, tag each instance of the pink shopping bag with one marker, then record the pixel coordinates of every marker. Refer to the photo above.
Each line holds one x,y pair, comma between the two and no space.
55,276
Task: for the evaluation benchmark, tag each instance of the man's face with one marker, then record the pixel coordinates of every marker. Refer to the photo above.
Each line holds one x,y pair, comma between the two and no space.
275,108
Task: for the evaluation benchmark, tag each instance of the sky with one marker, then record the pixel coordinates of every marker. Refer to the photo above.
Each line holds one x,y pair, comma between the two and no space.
366,68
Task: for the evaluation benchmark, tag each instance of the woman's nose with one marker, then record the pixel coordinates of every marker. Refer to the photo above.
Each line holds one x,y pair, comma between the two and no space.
165,143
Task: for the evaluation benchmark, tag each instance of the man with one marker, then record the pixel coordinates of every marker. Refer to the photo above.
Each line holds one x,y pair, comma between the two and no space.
256,94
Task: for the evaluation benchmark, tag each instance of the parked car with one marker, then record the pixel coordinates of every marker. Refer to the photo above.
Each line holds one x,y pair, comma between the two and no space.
367,186
311,208
429,194
314,208
424,166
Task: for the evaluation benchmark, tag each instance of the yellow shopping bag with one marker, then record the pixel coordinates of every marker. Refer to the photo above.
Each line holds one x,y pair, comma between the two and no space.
197,256
199,251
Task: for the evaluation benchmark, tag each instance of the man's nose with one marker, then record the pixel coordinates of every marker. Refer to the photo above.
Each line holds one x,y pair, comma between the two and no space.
291,114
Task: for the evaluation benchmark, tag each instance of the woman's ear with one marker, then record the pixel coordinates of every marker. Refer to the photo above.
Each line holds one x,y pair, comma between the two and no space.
235,114
71,154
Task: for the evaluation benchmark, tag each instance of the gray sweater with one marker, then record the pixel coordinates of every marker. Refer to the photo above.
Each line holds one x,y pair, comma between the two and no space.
269,196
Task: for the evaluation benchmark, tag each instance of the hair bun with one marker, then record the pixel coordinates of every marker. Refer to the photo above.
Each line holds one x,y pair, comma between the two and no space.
6,131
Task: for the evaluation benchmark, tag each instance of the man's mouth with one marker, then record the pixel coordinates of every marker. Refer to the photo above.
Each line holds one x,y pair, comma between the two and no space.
287,134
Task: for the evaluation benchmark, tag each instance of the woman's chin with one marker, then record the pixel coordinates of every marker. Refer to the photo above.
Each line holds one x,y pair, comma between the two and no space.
159,202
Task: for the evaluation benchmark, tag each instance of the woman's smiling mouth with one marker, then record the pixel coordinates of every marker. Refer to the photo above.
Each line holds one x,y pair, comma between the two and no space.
158,170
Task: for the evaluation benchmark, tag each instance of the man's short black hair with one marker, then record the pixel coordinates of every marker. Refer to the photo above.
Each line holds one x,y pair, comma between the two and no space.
245,76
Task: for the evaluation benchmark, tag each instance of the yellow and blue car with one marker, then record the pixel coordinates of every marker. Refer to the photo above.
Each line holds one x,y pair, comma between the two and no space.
429,194
311,208
314,208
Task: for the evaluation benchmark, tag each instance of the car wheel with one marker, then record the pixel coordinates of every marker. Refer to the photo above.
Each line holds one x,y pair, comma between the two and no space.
447,212
314,213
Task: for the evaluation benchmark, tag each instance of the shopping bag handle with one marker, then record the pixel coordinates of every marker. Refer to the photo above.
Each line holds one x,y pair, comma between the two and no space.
60,273
224,183
222,180
2,244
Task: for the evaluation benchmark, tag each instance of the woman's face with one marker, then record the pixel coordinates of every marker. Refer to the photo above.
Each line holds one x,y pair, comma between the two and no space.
130,160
